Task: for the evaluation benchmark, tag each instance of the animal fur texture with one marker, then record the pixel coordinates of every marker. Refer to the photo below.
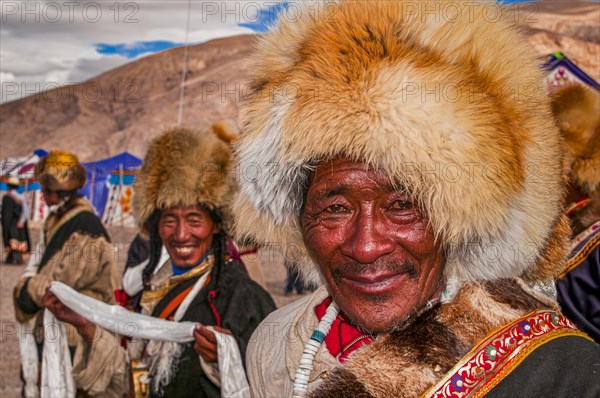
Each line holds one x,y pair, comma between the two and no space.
418,356
184,168
448,101
577,112
61,171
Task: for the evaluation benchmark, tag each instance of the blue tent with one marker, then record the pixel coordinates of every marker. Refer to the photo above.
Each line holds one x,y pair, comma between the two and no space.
105,171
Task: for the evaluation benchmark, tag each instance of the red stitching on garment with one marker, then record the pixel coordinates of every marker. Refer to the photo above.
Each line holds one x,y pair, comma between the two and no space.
211,296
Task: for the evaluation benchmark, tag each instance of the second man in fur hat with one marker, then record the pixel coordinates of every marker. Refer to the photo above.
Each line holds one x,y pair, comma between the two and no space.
182,202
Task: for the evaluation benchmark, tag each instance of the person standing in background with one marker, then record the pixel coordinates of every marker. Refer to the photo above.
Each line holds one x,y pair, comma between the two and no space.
15,232
77,253
577,112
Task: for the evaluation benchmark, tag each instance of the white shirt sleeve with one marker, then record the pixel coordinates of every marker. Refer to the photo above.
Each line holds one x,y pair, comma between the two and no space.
132,279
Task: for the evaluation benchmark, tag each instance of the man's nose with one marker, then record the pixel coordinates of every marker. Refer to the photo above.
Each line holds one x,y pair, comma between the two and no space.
367,240
182,232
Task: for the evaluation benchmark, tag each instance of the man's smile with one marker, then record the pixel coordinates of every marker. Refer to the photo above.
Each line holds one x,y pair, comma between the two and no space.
370,284
184,250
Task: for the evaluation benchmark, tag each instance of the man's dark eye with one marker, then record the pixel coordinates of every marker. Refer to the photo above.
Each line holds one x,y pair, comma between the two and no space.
401,205
336,209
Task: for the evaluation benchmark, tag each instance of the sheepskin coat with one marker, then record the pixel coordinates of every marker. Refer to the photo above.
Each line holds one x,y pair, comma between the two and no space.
408,361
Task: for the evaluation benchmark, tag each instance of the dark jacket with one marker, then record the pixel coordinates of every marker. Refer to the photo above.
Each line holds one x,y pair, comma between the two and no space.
241,304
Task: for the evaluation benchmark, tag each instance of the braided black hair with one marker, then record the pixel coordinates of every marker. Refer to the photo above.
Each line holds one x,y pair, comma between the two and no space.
155,246
220,252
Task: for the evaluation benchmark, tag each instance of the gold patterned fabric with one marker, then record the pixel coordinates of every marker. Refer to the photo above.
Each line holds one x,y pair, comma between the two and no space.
501,352
164,281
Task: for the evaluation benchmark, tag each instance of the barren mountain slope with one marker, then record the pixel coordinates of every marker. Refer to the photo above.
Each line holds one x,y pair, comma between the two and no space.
126,107
568,26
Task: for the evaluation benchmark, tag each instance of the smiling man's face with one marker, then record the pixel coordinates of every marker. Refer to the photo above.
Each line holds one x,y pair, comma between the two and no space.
187,233
376,252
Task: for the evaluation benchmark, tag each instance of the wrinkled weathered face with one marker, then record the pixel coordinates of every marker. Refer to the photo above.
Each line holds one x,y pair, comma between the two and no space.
187,233
375,250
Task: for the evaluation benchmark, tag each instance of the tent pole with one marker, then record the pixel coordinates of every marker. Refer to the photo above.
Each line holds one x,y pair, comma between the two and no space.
25,195
121,188
184,66
92,180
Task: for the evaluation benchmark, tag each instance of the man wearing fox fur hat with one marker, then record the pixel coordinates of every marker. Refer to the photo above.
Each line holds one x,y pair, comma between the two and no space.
183,194
577,112
394,161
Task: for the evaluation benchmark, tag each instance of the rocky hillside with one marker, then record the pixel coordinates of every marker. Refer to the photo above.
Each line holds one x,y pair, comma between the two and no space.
124,108
568,26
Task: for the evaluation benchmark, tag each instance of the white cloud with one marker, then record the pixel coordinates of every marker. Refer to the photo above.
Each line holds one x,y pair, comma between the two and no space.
87,67
4,76
52,42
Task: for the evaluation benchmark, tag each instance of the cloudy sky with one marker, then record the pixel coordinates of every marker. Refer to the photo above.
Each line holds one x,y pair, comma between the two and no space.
49,43
44,43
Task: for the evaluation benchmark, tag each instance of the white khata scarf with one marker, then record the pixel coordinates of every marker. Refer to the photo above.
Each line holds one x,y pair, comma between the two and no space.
165,337
164,347
164,355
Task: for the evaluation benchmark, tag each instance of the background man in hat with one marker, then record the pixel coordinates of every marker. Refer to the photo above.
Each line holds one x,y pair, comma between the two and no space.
15,234
77,249
407,175
577,110
183,193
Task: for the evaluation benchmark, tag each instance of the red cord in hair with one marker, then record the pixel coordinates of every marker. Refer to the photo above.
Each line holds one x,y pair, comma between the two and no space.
211,296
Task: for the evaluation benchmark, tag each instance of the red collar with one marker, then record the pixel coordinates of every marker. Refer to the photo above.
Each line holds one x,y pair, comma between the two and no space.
343,338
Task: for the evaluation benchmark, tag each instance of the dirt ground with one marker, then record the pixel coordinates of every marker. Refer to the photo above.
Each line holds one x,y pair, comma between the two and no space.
269,262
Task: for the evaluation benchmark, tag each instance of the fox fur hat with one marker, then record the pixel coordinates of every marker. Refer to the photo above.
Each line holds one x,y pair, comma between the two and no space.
445,99
186,167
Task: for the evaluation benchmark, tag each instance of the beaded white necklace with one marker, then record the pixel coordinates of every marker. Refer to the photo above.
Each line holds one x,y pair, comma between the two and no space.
316,341
310,350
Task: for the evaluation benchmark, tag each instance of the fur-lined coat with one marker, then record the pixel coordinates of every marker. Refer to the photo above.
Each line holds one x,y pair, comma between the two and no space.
78,253
407,362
